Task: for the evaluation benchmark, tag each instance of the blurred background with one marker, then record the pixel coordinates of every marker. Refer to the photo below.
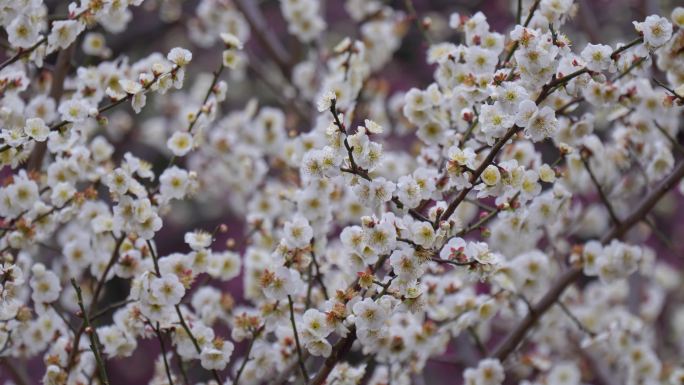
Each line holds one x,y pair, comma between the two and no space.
159,25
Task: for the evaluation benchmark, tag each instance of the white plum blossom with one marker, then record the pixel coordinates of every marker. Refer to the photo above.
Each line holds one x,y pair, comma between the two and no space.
282,282
347,195
597,57
656,30
37,129
180,143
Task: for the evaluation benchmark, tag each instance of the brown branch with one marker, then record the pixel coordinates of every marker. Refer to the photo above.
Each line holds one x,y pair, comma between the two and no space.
476,174
217,75
184,325
341,348
259,27
163,353
302,367
515,45
414,15
670,90
616,54
22,52
92,334
602,194
581,326
93,302
573,274
669,137
356,170
249,351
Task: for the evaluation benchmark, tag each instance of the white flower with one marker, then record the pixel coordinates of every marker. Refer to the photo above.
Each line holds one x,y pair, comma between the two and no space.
45,284
23,193
405,264
488,372
297,232
480,60
180,143
369,314
373,127
526,110
167,290
325,101
74,110
319,347
174,183
179,56
94,44
546,173
64,32
37,129
510,95
215,357
224,266
657,30
130,87
22,32
316,324
542,124
231,41
495,121
565,373
677,16
491,175
198,240
455,20
454,249
116,341
231,58
118,181
597,57
61,193
283,282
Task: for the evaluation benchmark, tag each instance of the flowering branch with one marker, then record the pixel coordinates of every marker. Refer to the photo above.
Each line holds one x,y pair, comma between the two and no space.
574,273
601,193
302,367
92,334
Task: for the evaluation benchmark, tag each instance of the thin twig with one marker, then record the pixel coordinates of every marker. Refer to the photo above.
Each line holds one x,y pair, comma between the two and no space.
249,350
302,367
575,320
602,194
414,15
670,90
515,46
217,75
669,137
184,324
92,334
478,342
93,302
259,26
163,353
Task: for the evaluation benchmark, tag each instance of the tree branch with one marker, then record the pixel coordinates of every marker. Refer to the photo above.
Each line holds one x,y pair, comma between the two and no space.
571,275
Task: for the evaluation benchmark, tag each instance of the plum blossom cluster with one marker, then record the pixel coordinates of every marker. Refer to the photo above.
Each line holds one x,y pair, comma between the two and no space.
503,214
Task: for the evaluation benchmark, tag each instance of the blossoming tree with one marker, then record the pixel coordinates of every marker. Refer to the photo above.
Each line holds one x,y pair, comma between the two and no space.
513,230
